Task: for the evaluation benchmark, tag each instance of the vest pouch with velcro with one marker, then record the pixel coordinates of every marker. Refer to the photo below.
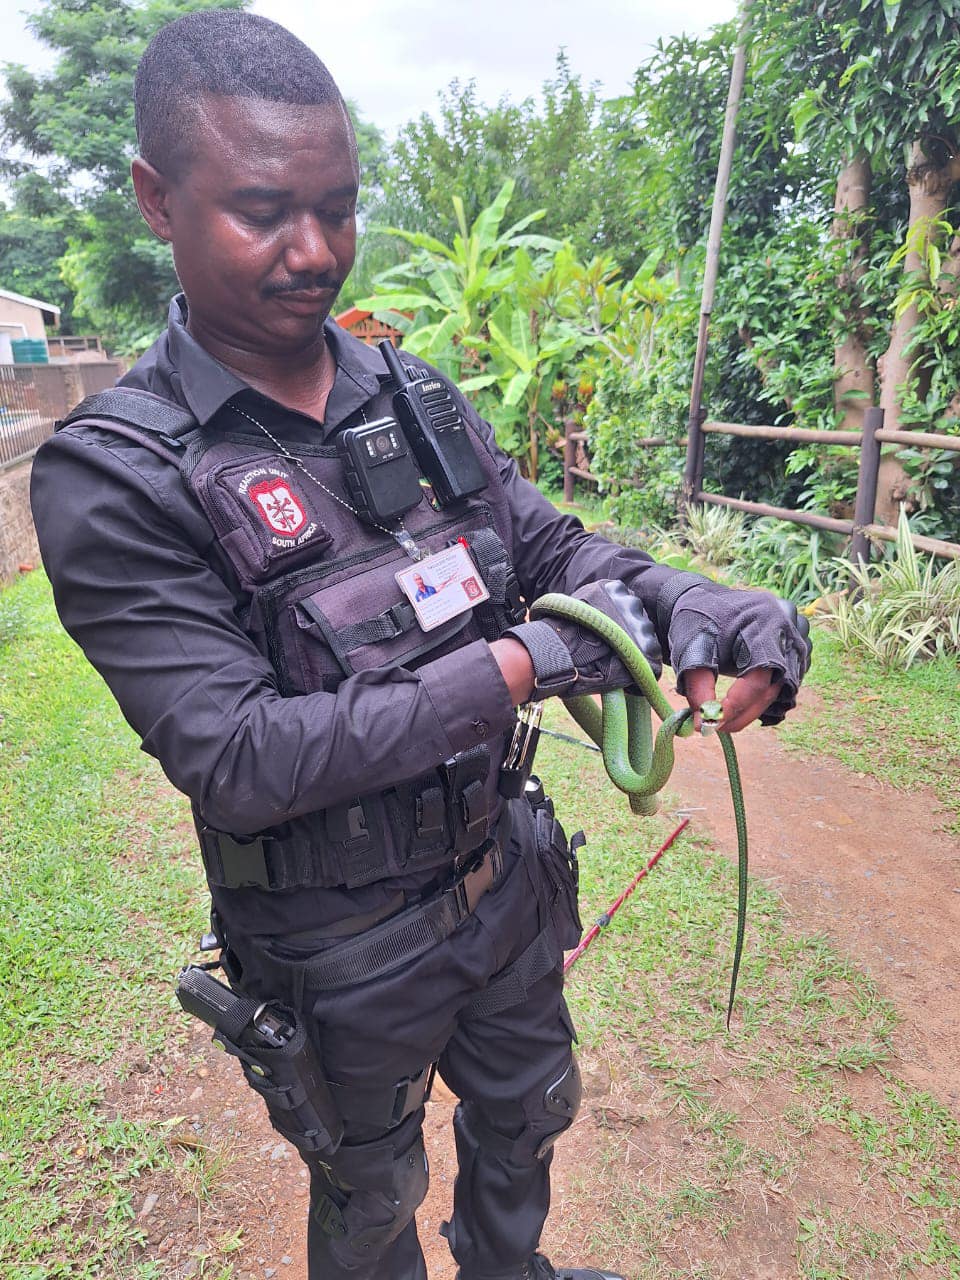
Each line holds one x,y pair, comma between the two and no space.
265,512
359,624
349,844
419,820
353,616
468,798
358,843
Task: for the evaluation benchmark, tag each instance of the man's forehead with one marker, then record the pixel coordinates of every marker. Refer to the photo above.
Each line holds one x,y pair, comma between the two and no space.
266,137
235,120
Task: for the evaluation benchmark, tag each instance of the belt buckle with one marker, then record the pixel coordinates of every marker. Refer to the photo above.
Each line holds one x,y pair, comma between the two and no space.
461,898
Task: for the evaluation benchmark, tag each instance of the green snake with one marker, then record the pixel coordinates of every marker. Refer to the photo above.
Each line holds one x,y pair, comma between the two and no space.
621,726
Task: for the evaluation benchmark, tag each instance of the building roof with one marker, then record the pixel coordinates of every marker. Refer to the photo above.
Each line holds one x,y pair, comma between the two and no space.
33,302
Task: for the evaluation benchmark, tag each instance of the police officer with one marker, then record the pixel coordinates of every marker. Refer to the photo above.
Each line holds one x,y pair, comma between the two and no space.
341,750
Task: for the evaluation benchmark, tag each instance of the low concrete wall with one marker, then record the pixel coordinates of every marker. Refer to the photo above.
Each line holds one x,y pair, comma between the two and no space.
18,538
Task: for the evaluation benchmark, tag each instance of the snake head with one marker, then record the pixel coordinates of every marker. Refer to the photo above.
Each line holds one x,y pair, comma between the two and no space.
711,717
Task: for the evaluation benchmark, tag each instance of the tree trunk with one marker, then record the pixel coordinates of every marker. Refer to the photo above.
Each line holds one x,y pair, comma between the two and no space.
950,287
853,389
930,187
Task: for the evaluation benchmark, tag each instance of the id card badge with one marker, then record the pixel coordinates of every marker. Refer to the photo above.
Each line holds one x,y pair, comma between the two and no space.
442,585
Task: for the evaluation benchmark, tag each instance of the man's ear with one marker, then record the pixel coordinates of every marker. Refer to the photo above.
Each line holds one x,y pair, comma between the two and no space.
152,192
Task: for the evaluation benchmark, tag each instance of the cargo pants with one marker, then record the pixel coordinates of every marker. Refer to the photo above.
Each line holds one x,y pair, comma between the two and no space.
513,1071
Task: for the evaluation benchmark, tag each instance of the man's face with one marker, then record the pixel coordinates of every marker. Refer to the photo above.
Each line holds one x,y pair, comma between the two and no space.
263,222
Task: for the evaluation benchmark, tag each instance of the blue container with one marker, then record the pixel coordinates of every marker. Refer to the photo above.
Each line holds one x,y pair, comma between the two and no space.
30,351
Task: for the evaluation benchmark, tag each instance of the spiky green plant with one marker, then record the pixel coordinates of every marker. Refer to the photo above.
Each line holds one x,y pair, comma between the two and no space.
901,609
794,561
714,533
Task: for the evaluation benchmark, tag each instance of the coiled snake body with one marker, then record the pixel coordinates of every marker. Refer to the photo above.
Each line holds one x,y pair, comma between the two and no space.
637,763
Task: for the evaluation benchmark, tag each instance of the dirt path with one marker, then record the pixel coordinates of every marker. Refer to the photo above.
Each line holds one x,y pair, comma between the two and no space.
869,866
854,859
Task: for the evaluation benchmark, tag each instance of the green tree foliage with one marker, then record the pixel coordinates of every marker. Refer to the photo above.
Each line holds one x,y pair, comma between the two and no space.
509,313
672,126
74,128
876,87
563,154
552,153
74,235
820,295
34,230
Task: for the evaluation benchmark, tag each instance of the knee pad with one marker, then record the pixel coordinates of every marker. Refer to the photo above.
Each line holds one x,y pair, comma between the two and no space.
374,1193
561,1102
546,1113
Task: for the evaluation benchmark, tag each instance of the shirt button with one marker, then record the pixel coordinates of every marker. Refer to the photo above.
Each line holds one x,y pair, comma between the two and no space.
481,728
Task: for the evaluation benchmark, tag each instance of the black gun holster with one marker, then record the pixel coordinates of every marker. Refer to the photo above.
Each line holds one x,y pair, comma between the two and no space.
277,1058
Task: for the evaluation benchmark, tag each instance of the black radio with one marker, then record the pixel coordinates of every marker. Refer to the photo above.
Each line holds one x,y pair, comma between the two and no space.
437,433
382,478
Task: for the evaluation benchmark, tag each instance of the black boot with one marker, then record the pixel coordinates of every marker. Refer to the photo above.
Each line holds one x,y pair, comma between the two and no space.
541,1268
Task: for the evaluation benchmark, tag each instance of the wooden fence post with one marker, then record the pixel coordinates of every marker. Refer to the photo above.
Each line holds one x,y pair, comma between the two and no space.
693,471
866,501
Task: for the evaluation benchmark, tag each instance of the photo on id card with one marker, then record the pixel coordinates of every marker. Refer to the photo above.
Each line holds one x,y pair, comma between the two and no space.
442,585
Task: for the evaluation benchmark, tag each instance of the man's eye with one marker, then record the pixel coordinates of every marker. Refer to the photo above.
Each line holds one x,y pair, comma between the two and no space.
338,216
266,219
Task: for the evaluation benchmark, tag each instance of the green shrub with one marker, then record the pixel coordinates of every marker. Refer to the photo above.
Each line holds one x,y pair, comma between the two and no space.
715,534
798,563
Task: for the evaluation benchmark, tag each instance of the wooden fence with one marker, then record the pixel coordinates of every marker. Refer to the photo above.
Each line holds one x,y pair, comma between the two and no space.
861,529
34,396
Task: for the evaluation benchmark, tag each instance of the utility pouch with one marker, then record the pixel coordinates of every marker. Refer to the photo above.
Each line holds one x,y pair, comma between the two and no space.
277,1058
561,873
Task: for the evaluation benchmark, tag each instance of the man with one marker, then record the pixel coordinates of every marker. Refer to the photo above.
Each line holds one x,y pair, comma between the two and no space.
208,553
424,591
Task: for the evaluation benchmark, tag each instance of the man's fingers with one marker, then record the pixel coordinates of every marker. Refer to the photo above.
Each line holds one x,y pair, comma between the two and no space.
748,698
700,686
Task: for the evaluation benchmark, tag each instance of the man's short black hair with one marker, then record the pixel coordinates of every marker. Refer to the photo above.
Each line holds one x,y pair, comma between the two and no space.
226,52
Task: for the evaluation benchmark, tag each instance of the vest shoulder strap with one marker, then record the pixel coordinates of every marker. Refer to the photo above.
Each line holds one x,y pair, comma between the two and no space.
133,408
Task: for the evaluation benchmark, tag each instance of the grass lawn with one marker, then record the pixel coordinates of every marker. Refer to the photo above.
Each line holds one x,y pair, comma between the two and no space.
100,903
900,726
789,1135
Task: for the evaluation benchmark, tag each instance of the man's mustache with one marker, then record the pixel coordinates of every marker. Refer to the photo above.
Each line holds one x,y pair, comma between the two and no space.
301,284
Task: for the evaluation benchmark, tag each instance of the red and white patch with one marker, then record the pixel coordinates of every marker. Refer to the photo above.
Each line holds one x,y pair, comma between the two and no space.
278,506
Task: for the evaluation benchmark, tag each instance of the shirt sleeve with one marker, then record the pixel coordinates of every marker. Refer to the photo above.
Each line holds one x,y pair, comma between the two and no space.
128,555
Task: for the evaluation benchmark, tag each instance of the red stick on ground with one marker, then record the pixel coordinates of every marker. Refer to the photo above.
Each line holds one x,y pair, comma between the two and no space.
614,907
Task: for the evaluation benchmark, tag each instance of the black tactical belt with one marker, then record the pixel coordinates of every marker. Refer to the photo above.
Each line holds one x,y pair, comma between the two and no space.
407,934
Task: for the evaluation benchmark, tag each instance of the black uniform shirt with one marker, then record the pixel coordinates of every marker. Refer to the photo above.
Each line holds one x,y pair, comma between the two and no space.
143,588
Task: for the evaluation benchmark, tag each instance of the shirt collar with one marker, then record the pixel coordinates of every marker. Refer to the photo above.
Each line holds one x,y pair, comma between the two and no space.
206,385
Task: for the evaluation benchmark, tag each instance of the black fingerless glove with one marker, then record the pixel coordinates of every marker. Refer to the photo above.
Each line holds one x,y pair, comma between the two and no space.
569,660
704,624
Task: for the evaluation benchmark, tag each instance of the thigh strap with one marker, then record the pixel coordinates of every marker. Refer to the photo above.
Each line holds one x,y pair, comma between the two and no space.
512,985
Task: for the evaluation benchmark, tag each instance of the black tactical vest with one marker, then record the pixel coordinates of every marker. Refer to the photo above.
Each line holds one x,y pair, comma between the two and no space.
321,602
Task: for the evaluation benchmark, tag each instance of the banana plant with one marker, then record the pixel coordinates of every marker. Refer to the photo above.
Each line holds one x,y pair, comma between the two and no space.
441,297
